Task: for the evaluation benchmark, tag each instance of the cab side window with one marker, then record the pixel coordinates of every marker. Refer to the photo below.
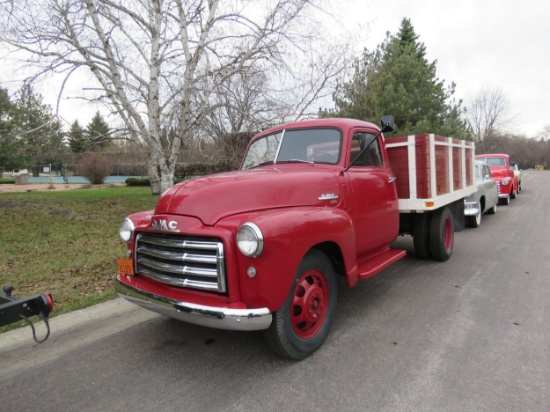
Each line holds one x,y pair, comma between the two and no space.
371,156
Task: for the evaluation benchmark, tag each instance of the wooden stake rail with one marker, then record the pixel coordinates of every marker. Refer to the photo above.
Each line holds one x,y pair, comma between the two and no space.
432,171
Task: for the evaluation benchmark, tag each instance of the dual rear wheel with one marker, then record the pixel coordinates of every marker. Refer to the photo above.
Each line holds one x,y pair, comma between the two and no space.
433,234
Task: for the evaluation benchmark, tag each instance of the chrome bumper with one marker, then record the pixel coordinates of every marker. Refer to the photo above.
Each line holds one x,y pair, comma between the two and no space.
470,209
210,316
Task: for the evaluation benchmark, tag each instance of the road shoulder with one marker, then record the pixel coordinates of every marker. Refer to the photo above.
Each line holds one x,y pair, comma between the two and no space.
19,352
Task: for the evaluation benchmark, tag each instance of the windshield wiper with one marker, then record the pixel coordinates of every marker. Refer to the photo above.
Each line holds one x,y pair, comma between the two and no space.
269,162
295,160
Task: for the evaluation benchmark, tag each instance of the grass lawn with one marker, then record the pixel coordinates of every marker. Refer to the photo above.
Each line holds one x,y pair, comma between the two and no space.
66,243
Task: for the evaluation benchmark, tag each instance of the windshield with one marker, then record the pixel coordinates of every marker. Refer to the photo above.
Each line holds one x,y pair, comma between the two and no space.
319,145
493,161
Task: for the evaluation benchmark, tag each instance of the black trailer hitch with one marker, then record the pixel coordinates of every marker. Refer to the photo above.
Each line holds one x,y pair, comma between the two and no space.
14,309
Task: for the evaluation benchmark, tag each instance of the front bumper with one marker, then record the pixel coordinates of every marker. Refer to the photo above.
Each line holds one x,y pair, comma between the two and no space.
503,190
210,316
471,208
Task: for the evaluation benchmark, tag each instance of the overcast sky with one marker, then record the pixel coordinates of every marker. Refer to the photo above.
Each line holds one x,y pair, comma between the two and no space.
502,44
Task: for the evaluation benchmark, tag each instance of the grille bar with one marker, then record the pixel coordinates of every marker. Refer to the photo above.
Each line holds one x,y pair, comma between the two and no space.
177,256
177,269
182,261
178,243
185,283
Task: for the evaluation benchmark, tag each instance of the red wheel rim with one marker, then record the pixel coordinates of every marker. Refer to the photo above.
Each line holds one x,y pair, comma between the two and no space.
448,236
309,304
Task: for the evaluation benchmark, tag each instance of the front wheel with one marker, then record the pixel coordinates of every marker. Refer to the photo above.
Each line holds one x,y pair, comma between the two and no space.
302,324
475,221
493,210
442,234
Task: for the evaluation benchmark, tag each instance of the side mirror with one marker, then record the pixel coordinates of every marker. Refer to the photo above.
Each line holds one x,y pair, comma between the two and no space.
388,124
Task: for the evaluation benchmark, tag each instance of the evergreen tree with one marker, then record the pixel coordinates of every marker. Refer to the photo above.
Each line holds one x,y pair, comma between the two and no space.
29,133
36,128
98,133
397,79
77,138
10,148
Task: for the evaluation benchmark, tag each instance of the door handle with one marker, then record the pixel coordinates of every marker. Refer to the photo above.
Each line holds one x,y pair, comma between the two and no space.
392,179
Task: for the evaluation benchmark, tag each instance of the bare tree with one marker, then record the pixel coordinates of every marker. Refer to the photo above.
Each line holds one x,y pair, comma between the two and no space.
486,115
164,63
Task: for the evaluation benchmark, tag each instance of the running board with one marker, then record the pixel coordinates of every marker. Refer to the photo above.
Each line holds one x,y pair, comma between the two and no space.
371,265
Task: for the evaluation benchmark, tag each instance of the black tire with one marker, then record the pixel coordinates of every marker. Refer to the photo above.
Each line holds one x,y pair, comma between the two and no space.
302,324
505,200
442,234
421,236
493,210
513,193
474,221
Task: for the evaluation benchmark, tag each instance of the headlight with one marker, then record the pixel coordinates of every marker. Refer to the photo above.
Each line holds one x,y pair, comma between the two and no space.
126,230
505,181
250,240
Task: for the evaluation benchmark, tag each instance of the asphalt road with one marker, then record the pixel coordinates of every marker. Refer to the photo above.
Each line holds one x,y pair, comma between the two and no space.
471,334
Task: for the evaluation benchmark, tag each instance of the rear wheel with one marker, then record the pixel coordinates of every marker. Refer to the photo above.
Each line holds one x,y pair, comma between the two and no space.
442,234
421,236
475,221
302,324
493,210
513,193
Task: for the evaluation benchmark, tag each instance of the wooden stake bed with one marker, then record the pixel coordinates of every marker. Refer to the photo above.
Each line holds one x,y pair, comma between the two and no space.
432,171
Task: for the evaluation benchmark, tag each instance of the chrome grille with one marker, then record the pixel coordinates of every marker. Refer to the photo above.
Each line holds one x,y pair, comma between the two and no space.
182,261
498,188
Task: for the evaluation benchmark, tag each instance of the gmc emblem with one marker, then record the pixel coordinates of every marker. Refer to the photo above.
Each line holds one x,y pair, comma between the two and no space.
161,224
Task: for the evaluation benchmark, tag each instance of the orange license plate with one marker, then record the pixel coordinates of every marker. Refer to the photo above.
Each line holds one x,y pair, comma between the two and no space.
126,267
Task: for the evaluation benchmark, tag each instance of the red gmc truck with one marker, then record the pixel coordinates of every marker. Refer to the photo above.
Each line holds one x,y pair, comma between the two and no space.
260,248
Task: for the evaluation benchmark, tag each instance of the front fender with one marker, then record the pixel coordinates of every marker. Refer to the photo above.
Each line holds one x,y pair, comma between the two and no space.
288,235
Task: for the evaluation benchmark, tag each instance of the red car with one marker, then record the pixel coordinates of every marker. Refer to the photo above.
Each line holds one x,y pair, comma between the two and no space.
507,182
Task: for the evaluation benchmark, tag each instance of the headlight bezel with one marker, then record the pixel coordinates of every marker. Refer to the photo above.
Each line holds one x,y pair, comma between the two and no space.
506,181
126,230
250,240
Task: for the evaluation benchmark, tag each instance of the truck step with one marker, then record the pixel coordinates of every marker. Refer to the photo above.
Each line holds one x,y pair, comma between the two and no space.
375,263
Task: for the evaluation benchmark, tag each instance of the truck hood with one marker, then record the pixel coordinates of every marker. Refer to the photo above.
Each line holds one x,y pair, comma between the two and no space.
500,172
211,198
